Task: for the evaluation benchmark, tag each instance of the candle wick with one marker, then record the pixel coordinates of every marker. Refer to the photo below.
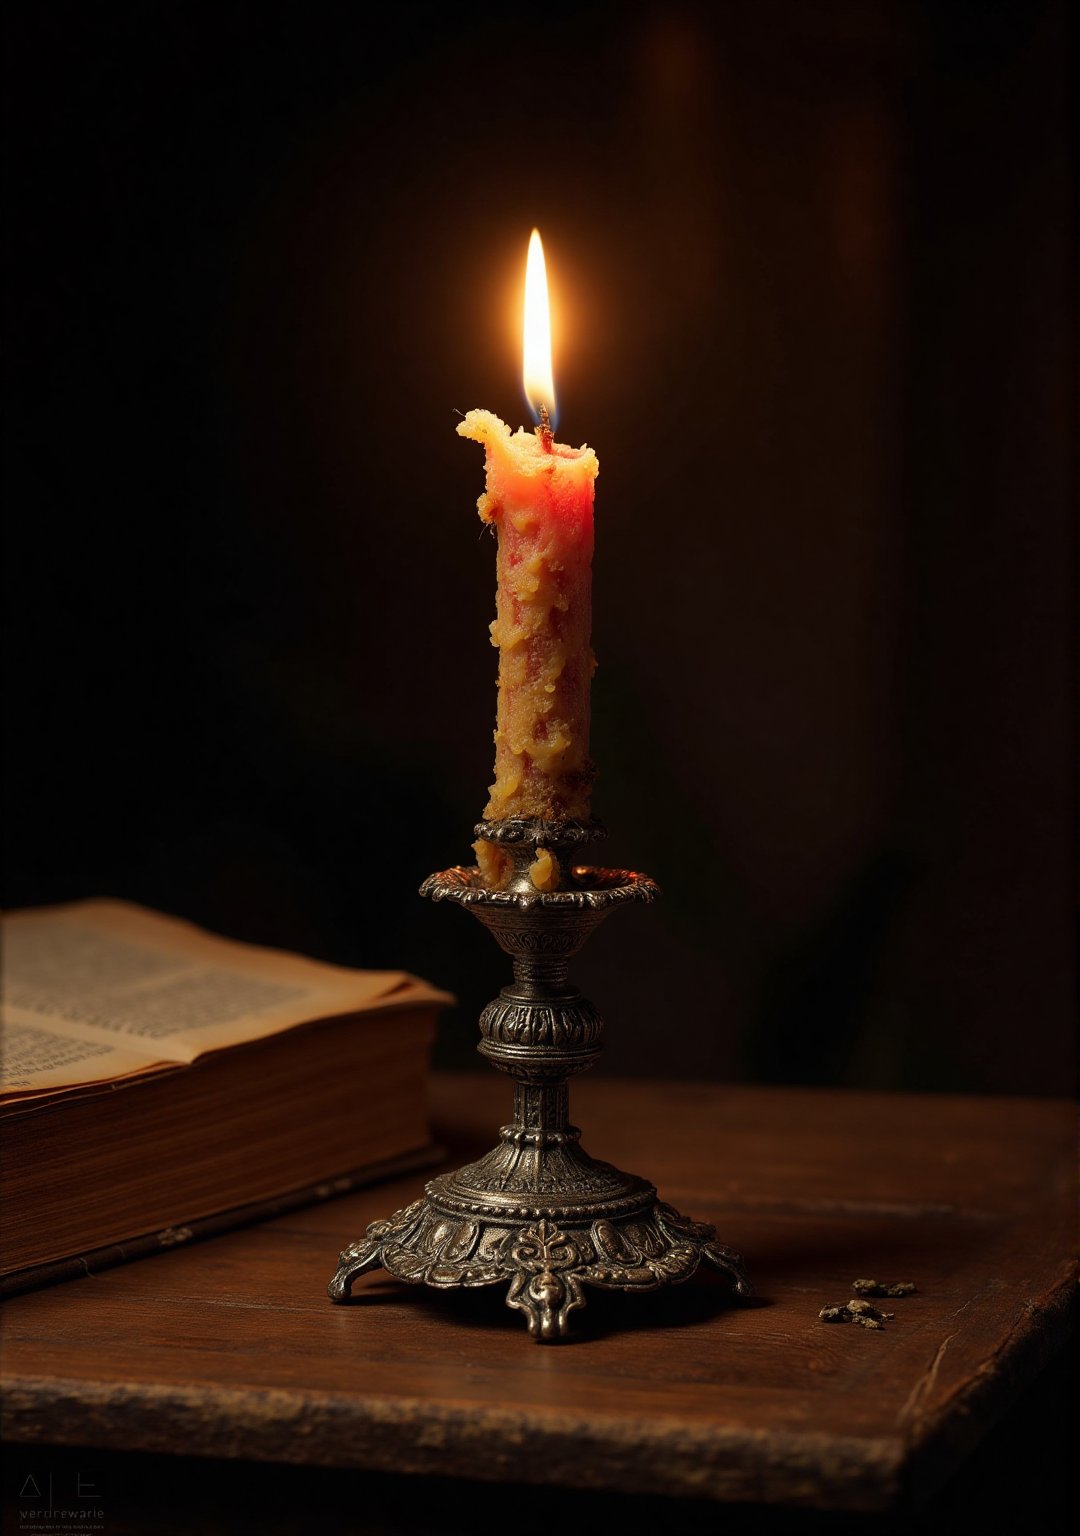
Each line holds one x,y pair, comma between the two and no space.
543,431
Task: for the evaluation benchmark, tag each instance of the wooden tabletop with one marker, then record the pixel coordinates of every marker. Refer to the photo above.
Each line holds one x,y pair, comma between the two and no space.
231,1348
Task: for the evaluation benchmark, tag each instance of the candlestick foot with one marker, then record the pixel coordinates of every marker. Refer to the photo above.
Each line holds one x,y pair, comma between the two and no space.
547,1263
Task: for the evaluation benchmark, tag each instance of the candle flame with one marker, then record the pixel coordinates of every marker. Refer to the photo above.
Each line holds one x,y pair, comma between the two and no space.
538,378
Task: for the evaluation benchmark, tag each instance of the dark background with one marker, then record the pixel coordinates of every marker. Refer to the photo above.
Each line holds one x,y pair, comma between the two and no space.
811,267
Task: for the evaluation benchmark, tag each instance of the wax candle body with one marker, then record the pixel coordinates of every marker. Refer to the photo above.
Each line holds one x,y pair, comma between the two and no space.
539,499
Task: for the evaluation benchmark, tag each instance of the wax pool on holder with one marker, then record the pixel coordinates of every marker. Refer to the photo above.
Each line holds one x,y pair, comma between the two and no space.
539,499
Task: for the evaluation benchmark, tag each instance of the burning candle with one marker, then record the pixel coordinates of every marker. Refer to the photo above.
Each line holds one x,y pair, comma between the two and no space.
539,500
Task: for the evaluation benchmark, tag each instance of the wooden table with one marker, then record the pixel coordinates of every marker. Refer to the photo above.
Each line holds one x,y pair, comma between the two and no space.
230,1349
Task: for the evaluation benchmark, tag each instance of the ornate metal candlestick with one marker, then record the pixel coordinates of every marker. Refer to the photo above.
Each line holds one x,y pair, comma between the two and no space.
537,1213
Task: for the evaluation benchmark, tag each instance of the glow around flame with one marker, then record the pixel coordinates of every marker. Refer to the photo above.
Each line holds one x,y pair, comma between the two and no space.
537,375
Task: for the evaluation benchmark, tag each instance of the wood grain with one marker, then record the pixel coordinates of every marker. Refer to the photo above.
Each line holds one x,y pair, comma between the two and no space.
231,1349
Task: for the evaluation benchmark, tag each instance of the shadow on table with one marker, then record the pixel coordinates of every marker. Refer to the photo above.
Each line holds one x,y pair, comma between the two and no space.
691,1304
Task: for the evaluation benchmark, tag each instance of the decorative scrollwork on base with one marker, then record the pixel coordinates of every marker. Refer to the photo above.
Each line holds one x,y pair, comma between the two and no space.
545,1265
545,1286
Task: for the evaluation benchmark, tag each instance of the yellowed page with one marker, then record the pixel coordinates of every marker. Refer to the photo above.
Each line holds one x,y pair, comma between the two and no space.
95,990
37,1057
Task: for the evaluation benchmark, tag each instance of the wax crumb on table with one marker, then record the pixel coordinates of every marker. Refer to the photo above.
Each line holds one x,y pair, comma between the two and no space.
880,1288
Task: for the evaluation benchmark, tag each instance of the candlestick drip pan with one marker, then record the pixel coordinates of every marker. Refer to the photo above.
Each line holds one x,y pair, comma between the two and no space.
538,1214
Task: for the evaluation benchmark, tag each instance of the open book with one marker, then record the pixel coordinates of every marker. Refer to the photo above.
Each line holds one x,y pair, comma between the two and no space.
152,1074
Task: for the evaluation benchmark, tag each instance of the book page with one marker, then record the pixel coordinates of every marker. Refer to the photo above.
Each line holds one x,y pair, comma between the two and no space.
96,990
39,1057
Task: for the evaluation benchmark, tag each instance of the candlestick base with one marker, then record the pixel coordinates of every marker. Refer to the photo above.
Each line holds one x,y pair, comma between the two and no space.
537,1213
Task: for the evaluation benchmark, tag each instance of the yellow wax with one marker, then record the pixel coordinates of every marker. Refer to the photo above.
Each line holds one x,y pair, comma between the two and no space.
540,501
544,871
